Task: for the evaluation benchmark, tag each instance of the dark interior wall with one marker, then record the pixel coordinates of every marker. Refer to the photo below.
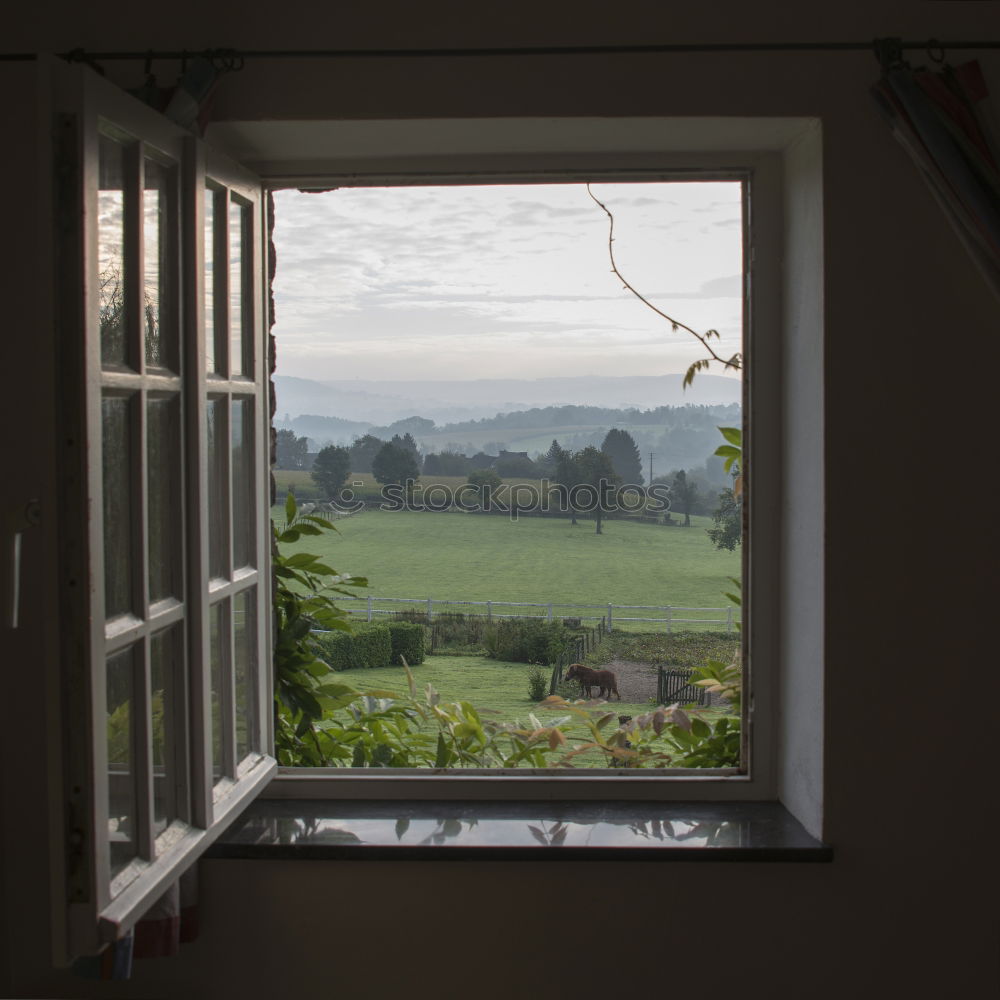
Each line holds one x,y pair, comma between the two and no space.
911,689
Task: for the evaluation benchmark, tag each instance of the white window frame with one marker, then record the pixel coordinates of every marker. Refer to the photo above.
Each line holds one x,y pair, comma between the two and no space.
101,908
397,153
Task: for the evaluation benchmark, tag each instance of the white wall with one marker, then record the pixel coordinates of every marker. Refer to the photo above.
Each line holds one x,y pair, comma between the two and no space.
908,643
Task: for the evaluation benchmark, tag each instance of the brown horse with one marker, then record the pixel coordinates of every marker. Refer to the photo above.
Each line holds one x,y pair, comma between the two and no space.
604,680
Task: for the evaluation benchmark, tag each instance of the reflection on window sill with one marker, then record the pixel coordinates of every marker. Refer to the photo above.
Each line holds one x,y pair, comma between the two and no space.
303,829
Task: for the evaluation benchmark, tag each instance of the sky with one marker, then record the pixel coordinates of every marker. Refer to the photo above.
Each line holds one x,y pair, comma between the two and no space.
503,281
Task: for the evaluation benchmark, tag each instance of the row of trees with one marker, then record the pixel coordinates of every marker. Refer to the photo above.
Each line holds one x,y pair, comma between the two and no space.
617,462
292,453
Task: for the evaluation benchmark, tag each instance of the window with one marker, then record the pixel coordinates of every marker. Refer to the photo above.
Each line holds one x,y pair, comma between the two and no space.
168,388
781,159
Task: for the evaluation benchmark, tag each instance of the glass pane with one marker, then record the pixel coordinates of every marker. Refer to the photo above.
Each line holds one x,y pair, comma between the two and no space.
238,289
245,669
159,313
111,251
163,458
116,439
164,649
243,482
213,356
121,778
218,506
219,642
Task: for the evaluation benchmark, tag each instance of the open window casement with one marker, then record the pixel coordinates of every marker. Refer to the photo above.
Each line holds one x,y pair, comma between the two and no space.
166,663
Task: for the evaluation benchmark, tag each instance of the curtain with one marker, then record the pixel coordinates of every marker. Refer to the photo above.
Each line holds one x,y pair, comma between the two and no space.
944,121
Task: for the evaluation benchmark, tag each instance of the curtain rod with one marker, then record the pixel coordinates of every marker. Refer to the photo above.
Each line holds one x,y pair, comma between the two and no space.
236,56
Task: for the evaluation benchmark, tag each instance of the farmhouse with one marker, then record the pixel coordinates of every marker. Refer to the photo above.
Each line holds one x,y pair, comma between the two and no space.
884,617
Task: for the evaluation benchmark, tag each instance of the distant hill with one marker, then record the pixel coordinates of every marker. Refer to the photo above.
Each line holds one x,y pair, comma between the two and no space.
678,436
447,401
323,430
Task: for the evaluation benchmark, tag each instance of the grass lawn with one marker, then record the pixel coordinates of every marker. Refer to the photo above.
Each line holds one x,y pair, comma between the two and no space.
487,684
467,557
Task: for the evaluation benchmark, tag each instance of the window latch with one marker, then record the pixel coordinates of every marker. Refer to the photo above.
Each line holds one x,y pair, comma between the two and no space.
19,520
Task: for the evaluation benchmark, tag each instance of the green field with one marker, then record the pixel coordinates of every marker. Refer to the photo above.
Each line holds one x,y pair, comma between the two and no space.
467,557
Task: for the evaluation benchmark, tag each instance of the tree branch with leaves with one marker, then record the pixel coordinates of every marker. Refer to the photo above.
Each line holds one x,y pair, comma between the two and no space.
732,363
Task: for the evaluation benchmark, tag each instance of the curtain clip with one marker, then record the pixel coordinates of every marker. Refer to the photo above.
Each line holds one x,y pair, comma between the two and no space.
889,52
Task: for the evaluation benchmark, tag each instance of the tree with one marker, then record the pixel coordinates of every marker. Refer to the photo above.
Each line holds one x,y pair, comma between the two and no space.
446,463
363,452
567,476
485,482
331,469
394,464
728,530
549,462
290,451
596,470
407,443
621,448
685,496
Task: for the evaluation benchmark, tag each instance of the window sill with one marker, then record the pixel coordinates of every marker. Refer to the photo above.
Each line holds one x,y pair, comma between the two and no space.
309,829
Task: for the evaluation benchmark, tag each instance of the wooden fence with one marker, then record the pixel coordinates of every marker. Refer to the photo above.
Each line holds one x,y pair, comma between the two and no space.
668,618
674,684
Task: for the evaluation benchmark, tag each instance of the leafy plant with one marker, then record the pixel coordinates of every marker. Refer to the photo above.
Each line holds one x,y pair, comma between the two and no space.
727,530
538,682
383,729
302,602
732,452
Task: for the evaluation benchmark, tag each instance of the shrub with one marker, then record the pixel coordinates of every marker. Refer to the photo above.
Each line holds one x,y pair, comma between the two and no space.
407,639
538,683
524,640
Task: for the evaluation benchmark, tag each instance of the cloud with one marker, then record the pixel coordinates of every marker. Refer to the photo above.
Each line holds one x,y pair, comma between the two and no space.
466,274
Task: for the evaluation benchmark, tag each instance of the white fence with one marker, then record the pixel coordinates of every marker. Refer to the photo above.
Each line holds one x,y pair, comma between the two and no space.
668,618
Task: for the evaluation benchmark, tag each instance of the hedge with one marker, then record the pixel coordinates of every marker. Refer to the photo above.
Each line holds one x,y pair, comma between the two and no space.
370,646
407,640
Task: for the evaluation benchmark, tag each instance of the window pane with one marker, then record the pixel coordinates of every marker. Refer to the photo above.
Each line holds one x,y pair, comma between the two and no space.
245,668
218,521
116,434
163,457
164,649
212,354
240,357
243,482
121,778
219,644
110,251
159,314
